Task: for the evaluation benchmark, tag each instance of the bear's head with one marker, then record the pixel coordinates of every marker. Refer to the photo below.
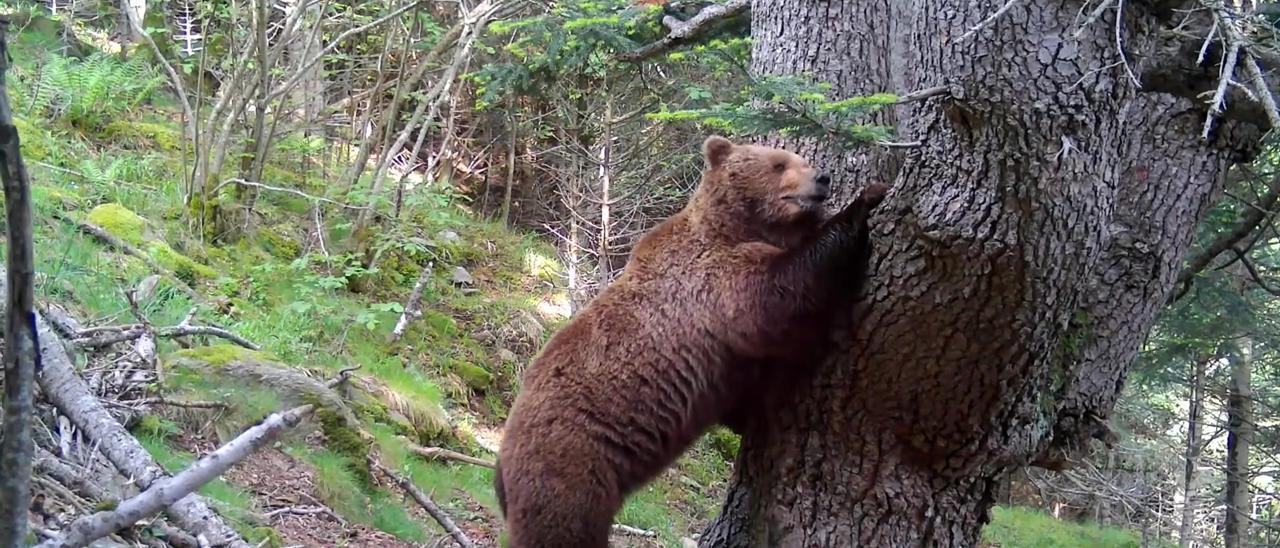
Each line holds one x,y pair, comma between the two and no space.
765,190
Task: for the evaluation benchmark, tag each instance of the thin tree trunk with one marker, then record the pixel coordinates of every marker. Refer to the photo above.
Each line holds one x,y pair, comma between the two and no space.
604,265
511,166
1031,237
21,346
1240,426
1192,453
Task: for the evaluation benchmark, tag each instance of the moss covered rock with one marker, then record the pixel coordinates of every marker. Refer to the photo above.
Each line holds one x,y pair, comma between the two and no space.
182,266
120,221
476,377
279,241
143,135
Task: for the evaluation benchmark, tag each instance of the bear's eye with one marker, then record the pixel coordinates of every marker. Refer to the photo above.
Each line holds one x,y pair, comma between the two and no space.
780,167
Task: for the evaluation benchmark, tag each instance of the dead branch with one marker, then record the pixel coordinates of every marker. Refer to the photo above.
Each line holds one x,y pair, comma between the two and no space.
295,192
634,531
424,501
108,339
1249,220
688,31
990,19
63,387
446,454
188,330
169,490
161,400
21,360
413,306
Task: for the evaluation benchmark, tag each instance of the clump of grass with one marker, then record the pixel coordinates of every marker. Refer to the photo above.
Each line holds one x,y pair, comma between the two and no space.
1028,528
340,488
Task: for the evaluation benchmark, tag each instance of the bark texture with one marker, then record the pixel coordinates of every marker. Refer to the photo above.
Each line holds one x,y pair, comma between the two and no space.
1019,261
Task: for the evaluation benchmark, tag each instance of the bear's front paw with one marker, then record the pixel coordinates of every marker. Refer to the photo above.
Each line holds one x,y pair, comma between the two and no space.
874,193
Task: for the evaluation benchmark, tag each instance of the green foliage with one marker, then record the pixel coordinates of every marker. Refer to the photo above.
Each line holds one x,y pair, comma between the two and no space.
793,106
572,38
85,94
725,442
1027,528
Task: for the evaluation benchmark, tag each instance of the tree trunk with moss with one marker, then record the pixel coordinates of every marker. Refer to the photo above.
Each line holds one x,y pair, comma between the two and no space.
1029,241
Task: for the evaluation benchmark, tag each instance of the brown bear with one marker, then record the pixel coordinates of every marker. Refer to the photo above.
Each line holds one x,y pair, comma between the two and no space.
744,276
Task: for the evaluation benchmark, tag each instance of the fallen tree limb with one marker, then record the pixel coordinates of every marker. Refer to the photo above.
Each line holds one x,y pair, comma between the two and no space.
188,330
634,531
446,454
425,502
695,27
165,492
132,332
64,388
161,400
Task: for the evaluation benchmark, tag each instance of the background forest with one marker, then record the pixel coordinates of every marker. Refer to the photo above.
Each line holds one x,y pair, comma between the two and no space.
382,209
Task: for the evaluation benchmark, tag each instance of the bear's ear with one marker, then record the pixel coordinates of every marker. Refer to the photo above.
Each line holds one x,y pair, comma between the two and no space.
716,149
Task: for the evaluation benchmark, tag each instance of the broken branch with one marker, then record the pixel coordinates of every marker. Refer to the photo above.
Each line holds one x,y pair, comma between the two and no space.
445,454
688,31
426,503
169,490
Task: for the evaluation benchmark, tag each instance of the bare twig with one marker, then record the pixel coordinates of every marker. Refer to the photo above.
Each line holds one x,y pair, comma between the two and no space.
169,490
21,356
188,330
1220,94
989,20
446,454
295,192
689,31
424,501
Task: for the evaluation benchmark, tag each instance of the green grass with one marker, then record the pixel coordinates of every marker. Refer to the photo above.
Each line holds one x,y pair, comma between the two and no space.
1028,528
337,485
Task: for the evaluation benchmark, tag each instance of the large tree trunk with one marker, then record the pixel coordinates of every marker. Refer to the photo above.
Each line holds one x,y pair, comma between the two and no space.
1020,259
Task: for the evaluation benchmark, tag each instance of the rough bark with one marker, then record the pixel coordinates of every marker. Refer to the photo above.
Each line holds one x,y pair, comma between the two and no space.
1033,236
1240,426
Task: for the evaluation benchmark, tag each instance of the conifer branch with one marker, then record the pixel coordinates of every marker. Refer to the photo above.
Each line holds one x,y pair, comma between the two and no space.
683,33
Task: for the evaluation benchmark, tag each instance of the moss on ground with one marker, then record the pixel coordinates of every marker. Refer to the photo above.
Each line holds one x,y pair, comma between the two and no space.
120,222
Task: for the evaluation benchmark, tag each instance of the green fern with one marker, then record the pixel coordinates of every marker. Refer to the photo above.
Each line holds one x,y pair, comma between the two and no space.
86,94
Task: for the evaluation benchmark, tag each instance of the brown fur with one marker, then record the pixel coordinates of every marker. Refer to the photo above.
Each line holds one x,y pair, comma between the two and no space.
743,276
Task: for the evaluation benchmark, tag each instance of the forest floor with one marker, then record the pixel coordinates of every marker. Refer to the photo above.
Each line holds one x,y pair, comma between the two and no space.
290,279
